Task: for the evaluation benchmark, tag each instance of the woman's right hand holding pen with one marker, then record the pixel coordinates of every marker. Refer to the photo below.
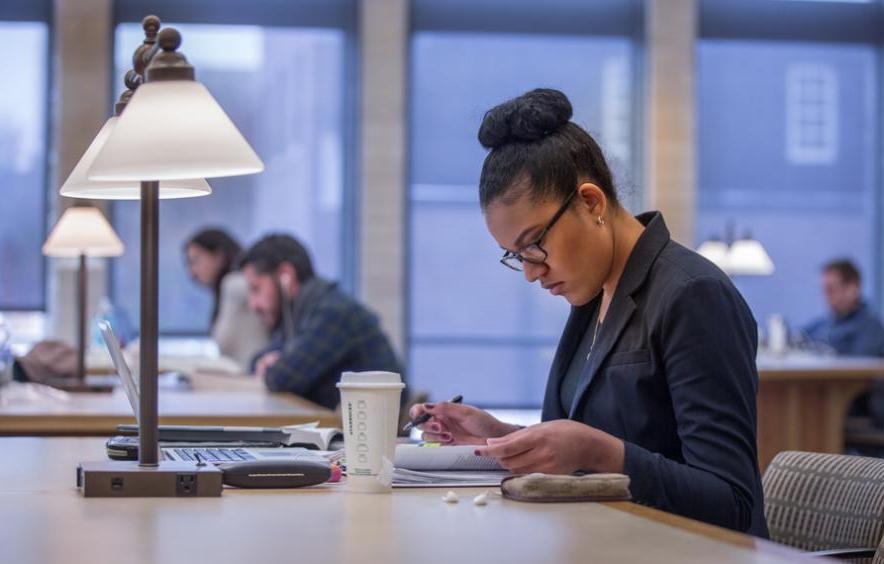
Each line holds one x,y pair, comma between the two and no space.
458,424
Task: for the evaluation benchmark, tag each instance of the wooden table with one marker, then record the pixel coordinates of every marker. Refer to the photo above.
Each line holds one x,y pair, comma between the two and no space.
45,519
803,401
215,400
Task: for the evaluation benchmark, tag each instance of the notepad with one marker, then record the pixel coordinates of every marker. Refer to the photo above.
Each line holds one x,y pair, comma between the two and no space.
403,478
429,465
433,456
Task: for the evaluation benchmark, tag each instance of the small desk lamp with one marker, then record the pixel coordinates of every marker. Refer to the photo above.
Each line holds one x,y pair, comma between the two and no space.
738,257
171,128
748,257
82,232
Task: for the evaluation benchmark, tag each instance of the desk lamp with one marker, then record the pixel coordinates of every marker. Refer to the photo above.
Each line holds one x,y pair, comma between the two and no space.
82,232
741,257
171,128
748,257
78,185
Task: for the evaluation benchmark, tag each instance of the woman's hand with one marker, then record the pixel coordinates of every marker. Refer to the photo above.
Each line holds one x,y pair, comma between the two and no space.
556,447
457,424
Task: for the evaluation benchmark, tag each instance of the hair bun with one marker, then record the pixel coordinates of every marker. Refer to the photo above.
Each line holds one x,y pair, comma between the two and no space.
530,117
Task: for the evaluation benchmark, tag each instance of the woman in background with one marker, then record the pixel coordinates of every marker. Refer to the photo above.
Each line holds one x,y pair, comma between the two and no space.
211,259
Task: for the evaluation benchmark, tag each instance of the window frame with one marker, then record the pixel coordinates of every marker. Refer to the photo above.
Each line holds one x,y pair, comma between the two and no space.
39,11
800,101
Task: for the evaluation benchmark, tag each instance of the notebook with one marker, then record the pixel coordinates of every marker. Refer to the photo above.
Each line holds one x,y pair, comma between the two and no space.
435,465
434,456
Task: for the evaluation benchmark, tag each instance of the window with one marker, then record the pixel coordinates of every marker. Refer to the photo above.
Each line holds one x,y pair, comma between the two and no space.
476,327
23,143
285,88
811,113
813,201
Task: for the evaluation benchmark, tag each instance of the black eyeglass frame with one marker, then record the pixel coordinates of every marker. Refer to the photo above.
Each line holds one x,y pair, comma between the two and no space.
520,254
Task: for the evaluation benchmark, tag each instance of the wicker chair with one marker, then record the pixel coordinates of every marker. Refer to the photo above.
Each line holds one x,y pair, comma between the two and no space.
826,502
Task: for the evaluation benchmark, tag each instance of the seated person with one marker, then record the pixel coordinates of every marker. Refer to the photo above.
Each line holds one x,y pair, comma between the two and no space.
211,259
655,373
318,331
852,328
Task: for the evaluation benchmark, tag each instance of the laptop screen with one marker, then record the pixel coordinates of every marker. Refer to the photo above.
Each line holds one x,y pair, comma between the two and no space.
130,387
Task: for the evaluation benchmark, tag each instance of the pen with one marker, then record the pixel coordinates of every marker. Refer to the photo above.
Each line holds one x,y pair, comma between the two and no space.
421,419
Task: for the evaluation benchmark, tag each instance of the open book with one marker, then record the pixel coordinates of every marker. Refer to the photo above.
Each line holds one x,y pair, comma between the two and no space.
312,435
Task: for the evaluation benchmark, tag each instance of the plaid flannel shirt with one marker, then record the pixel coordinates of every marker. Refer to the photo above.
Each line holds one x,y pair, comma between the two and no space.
335,334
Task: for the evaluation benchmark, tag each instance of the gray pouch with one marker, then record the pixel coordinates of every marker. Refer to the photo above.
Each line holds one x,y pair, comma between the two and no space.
550,488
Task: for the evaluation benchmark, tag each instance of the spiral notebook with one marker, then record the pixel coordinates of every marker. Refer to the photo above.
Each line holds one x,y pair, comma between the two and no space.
435,465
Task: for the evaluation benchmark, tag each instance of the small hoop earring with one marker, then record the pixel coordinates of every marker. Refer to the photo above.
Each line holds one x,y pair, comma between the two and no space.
600,220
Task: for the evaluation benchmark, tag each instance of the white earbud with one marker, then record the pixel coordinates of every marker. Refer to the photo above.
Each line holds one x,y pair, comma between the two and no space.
285,280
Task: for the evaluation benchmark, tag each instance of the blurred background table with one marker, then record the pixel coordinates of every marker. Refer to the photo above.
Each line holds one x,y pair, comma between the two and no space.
216,399
803,401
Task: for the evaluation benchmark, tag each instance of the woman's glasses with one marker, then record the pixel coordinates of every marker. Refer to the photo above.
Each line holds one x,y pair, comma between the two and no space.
533,252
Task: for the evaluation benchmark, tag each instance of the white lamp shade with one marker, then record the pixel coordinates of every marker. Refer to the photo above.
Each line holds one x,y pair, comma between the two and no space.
716,252
747,257
83,230
79,186
173,129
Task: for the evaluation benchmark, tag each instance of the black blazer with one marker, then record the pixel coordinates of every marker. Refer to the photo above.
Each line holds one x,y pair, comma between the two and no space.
673,374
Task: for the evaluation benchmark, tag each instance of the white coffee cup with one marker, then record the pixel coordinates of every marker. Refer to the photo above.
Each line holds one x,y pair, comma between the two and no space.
370,415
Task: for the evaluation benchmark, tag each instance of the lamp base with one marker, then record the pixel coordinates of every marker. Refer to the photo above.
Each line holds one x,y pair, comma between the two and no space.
124,478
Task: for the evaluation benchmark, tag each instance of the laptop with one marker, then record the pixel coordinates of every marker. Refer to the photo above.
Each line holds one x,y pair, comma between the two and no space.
126,446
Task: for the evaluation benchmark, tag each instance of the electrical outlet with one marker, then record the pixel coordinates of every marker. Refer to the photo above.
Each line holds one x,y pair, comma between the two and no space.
127,478
186,484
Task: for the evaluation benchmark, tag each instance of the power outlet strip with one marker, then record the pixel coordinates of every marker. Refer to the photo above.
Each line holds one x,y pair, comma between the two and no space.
124,478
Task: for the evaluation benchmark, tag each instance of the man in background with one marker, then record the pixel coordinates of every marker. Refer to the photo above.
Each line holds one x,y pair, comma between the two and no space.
317,330
851,328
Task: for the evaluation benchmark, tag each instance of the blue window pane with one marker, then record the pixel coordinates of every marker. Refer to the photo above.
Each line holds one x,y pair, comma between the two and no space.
23,164
491,331
786,147
283,88
487,374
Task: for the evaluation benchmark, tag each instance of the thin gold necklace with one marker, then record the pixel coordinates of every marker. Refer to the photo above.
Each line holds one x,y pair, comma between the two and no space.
595,334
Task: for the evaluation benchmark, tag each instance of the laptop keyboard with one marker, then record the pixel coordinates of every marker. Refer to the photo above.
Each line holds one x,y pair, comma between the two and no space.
229,454
207,454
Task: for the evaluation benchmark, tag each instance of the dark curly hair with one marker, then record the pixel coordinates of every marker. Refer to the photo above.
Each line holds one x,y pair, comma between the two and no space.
534,147
271,251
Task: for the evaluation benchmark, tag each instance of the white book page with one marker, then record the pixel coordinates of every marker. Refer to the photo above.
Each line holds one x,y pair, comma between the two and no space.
453,478
434,457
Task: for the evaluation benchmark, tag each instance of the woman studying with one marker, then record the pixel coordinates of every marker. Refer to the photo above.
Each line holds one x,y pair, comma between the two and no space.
211,256
655,372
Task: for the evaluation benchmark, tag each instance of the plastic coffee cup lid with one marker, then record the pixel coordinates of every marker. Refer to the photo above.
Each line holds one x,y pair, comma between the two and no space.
375,380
